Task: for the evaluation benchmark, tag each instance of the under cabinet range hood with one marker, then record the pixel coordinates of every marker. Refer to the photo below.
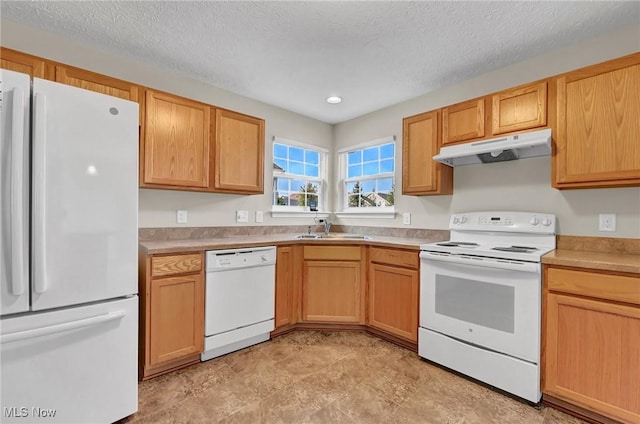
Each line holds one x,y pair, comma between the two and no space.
518,146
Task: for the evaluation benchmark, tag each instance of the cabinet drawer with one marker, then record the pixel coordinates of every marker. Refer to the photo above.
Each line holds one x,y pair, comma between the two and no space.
342,253
175,264
394,257
621,288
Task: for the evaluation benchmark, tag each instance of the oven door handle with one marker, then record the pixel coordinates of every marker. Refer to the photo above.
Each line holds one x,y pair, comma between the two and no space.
477,261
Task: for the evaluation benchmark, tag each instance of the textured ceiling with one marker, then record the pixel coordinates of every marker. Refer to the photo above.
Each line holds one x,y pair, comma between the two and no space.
295,54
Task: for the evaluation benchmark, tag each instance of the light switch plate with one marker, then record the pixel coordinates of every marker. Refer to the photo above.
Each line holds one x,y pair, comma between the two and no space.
406,218
181,216
242,216
259,216
607,222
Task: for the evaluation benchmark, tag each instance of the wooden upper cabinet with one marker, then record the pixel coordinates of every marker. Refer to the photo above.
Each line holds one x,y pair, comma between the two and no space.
97,82
239,153
598,126
463,121
520,108
421,175
175,147
34,66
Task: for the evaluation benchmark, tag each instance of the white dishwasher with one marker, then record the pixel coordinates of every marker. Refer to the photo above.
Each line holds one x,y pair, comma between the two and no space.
239,299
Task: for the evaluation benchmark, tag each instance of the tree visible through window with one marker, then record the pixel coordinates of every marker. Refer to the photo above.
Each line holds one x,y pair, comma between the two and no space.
370,177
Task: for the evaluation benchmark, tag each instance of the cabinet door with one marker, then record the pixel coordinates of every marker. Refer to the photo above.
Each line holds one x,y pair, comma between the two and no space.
239,153
285,290
519,108
593,355
34,66
598,125
175,151
176,323
420,142
463,121
393,300
332,292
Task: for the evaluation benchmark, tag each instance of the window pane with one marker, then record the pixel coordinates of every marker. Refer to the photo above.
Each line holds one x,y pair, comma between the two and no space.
385,184
351,187
283,184
311,157
386,165
296,168
311,170
371,168
387,151
279,151
368,186
354,171
371,154
281,163
298,185
282,199
296,153
312,187
355,157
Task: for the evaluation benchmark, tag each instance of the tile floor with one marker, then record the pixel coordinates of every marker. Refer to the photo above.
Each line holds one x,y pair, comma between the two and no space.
326,378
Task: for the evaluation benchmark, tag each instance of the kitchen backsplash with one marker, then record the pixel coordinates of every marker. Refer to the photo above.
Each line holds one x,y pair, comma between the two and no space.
182,233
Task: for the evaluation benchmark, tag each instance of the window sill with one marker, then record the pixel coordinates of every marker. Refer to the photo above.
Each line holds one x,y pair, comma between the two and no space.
386,214
299,214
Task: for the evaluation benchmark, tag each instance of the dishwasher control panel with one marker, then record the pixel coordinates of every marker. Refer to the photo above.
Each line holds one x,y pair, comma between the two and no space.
219,260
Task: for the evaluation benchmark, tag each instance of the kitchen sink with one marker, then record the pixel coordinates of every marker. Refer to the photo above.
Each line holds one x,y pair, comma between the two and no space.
334,236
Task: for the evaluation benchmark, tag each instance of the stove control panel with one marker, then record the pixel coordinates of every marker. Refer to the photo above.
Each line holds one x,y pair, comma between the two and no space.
527,222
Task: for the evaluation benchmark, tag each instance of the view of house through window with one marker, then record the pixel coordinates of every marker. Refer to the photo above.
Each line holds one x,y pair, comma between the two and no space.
297,177
369,176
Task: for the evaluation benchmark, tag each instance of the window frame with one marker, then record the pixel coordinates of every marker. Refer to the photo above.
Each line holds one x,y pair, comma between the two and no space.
360,211
286,211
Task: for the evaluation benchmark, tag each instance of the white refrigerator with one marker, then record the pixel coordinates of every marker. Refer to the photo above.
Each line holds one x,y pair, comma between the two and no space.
68,253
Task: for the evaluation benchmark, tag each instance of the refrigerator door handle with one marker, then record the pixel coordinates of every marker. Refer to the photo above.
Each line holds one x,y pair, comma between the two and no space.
17,190
39,188
60,328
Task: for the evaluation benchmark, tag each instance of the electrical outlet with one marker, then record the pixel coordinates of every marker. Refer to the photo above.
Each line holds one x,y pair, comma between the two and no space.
242,216
607,222
181,216
406,218
259,216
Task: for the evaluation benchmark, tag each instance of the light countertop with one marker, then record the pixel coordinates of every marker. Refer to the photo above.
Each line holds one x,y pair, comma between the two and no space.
618,262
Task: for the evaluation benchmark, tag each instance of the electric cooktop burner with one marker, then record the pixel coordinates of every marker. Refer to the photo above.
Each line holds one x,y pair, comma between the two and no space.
458,244
521,249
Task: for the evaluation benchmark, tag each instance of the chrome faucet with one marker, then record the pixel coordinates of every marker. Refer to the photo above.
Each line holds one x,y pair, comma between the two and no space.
327,226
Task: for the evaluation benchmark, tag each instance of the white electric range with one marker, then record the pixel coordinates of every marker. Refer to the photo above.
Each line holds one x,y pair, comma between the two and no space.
480,298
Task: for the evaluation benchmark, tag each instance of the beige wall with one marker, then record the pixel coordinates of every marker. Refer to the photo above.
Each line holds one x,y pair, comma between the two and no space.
517,185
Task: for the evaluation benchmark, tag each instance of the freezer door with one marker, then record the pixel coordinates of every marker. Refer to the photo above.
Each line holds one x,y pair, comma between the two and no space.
14,192
74,365
85,196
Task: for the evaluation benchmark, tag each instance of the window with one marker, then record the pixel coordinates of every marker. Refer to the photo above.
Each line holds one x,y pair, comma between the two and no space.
369,176
299,175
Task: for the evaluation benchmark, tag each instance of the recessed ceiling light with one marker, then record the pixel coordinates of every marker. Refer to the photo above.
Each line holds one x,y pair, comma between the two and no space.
334,100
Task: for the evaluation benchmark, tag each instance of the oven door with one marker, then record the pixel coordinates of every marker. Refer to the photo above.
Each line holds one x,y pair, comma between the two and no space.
486,302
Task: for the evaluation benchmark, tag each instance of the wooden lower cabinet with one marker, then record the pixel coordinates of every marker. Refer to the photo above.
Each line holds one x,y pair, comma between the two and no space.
592,349
394,283
332,284
171,312
288,262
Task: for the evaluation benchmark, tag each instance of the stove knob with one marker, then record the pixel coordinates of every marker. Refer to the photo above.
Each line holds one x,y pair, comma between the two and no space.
546,222
463,219
534,221
456,220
